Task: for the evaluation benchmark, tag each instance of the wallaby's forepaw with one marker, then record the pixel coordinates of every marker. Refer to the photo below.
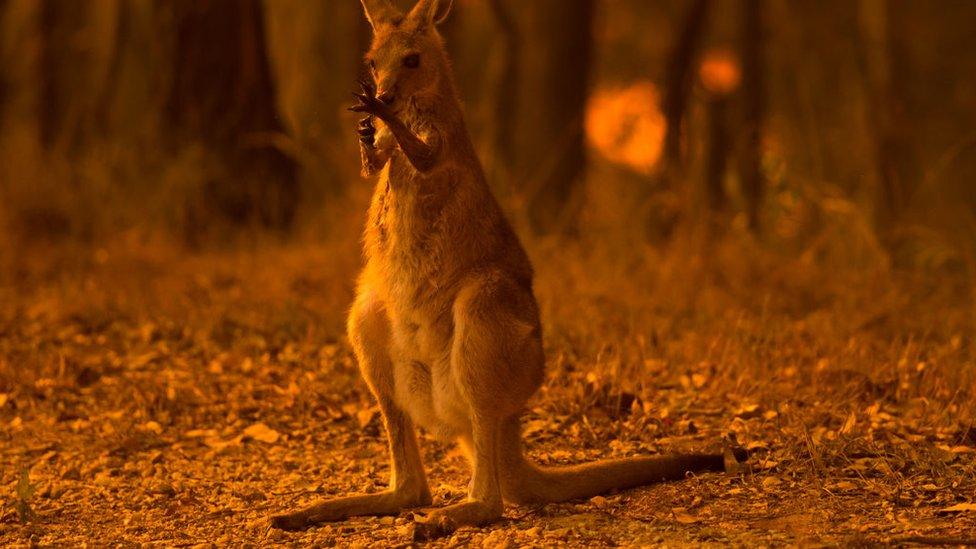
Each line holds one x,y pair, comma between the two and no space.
369,103
367,132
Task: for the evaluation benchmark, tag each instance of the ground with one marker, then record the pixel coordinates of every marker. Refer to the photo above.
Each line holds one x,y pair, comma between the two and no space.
182,399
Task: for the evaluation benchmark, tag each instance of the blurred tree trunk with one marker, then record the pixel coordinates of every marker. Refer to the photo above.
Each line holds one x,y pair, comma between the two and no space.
717,152
4,84
679,79
751,179
120,44
556,76
506,89
61,59
885,37
222,95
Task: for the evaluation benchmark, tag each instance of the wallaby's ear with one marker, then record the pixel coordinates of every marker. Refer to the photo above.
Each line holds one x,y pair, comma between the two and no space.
430,12
381,12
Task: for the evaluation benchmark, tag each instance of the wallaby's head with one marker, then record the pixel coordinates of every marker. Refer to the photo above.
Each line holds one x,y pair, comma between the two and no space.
407,58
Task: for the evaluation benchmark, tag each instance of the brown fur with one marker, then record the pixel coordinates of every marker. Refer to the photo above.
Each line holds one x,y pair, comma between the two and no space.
445,325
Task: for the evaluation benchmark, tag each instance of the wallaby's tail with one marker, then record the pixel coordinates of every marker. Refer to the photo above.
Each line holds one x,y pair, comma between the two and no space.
526,482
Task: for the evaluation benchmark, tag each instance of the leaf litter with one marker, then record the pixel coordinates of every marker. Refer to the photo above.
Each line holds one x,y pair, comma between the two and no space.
132,419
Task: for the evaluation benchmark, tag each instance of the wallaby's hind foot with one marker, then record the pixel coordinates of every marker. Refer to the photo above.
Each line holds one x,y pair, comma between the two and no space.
443,522
390,502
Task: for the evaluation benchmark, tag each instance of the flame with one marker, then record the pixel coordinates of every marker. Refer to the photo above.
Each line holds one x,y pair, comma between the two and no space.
626,126
720,72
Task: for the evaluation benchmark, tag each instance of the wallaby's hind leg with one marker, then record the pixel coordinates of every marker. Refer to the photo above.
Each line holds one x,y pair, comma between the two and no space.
484,502
369,332
496,361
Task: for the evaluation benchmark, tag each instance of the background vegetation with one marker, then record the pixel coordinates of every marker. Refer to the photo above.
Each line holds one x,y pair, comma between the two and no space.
745,215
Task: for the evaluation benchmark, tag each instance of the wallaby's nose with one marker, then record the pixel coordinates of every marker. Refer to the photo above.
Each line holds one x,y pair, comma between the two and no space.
386,97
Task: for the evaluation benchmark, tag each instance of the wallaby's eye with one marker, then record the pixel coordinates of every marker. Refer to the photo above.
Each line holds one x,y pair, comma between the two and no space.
412,61
372,65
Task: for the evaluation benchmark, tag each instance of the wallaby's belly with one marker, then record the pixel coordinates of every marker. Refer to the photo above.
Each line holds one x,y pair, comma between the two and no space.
423,381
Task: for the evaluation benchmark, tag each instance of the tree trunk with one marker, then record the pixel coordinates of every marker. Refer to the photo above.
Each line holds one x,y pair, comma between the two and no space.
885,65
556,75
222,95
751,179
717,153
679,80
506,89
4,84
60,73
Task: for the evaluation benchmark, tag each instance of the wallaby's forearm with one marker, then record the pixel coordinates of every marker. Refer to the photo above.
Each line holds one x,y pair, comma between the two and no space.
422,155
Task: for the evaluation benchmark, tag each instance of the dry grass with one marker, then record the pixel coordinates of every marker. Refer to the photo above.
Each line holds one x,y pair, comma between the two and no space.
132,377
156,395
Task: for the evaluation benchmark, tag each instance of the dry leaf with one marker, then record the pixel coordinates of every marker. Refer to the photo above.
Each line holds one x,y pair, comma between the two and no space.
843,486
959,508
748,411
684,518
152,427
365,417
262,433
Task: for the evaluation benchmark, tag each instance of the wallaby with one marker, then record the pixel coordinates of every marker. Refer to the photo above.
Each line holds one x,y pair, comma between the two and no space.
445,325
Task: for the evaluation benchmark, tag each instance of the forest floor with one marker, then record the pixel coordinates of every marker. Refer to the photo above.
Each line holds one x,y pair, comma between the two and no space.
152,398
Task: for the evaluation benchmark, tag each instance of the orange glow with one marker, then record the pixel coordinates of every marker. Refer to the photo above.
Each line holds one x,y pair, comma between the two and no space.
626,126
719,72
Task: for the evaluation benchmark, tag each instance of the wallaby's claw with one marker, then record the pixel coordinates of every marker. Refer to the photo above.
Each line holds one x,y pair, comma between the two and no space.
368,87
429,531
367,131
368,104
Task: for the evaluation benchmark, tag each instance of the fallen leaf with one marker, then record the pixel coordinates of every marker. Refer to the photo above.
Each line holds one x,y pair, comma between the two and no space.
365,417
262,433
685,518
534,426
747,411
959,508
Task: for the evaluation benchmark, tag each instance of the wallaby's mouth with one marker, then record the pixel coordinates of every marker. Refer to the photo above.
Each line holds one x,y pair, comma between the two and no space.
387,97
